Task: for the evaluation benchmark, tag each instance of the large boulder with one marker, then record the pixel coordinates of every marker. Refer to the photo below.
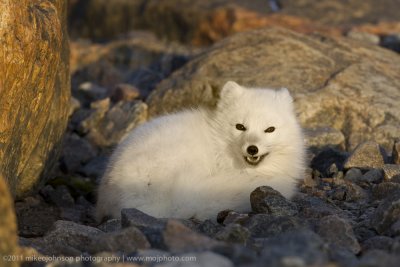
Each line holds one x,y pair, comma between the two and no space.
337,83
8,227
34,89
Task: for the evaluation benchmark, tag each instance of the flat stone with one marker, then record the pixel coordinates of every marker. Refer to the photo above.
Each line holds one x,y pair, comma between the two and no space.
338,231
391,172
265,199
367,155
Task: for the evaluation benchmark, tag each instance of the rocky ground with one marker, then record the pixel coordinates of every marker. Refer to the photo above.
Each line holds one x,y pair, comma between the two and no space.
347,211
345,214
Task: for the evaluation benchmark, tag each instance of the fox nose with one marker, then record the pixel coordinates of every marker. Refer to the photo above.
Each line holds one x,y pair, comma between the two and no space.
252,150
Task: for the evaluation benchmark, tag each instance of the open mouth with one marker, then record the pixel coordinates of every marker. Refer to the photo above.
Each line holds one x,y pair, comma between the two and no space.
255,160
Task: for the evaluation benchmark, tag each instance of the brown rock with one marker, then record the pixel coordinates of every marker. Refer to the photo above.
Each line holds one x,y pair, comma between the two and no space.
8,227
125,92
34,89
367,155
338,83
391,171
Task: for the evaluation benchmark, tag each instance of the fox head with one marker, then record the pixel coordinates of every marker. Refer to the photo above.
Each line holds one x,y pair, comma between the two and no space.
258,124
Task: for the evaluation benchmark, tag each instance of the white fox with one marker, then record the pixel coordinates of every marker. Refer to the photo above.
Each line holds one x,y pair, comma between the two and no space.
195,163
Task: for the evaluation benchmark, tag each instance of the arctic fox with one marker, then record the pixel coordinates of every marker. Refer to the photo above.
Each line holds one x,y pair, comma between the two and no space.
195,163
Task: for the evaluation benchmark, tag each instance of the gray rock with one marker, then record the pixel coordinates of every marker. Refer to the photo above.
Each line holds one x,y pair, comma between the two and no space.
209,228
111,225
134,217
202,259
342,256
353,175
239,254
60,196
233,233
178,238
301,248
76,151
378,242
325,136
379,258
367,155
385,189
386,216
150,226
396,152
65,238
95,168
313,207
372,176
264,225
127,240
265,199
339,232
391,172
34,216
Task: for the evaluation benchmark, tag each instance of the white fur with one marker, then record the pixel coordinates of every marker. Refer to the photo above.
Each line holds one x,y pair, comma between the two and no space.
191,164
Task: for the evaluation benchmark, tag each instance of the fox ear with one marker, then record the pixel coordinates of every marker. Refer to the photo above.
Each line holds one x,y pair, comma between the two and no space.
231,89
284,94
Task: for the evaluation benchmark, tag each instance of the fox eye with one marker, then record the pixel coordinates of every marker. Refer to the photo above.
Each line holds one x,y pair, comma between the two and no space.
240,127
270,129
